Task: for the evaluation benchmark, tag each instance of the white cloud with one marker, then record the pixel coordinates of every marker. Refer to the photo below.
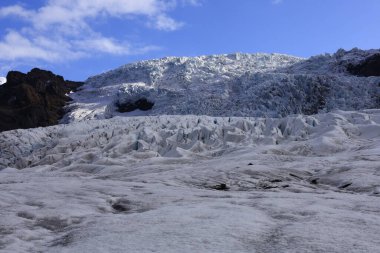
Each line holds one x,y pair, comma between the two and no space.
70,12
15,46
165,23
15,10
105,45
61,29
77,12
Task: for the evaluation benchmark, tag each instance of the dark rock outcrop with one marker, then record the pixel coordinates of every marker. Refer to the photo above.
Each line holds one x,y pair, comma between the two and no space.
369,67
34,99
221,187
142,104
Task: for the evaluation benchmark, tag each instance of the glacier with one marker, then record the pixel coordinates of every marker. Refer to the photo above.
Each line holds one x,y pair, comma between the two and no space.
153,184
245,85
240,152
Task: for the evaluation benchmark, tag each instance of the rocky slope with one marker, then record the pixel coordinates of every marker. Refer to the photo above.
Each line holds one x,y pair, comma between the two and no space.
33,99
369,67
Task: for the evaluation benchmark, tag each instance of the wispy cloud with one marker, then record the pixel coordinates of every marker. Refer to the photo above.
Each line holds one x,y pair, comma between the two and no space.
62,29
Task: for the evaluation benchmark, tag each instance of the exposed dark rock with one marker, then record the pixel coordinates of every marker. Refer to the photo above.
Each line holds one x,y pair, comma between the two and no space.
142,104
368,67
121,205
314,181
344,185
34,99
275,180
221,187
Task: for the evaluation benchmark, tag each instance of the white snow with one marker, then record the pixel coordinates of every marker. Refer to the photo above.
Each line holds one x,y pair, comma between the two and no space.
270,85
2,80
146,184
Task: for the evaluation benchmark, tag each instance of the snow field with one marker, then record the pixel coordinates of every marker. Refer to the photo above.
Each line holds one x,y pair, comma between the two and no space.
146,184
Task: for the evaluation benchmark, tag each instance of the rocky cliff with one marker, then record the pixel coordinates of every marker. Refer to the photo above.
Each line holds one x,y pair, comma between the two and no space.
34,99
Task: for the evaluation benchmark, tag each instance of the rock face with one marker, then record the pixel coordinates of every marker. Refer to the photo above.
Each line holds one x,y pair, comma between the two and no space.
142,104
34,99
369,67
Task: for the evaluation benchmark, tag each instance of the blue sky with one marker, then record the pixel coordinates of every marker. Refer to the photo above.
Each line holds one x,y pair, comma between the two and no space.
80,38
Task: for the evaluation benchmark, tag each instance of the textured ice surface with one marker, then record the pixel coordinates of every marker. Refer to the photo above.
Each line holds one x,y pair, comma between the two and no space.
271,85
148,184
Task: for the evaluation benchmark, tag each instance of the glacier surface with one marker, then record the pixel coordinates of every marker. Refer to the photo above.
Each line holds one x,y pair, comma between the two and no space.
193,184
259,153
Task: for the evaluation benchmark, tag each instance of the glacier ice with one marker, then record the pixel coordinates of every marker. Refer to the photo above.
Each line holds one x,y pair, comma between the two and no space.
150,182
271,85
142,184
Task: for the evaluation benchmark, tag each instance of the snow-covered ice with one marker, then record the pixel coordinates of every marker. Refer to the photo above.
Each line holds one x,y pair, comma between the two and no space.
264,85
241,152
150,184
2,80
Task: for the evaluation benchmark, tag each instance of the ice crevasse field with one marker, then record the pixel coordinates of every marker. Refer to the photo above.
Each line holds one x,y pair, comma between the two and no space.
239,153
